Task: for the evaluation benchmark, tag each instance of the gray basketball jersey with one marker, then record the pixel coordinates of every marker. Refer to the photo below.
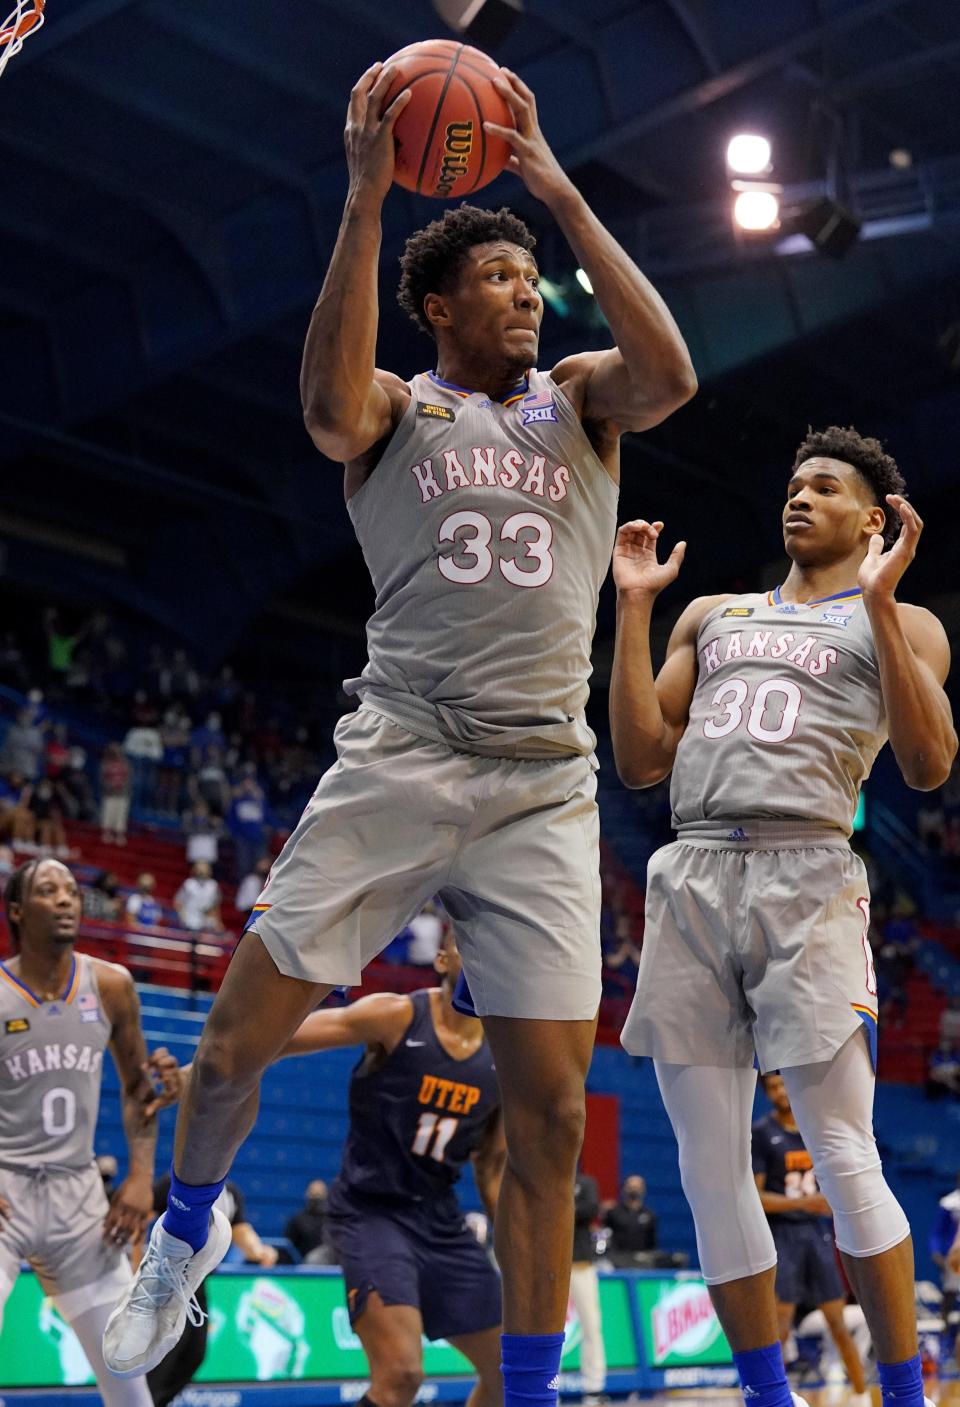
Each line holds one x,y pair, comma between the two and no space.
487,528
787,715
51,1058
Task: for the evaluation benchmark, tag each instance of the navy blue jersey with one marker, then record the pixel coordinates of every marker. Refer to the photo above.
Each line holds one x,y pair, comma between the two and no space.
781,1155
415,1119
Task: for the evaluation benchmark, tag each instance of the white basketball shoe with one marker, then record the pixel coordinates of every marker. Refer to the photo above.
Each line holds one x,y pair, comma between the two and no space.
156,1305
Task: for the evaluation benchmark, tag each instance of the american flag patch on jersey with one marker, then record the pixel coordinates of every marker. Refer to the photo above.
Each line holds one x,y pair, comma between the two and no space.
538,408
86,1001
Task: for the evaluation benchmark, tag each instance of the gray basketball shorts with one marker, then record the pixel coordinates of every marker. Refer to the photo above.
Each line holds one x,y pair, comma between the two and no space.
753,951
56,1225
511,847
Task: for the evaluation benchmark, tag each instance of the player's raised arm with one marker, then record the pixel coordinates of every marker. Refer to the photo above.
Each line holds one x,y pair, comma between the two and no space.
647,715
649,373
132,1204
913,656
378,1020
347,405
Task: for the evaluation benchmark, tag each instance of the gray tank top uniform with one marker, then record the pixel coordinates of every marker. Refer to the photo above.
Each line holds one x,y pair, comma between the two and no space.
51,1061
786,721
487,529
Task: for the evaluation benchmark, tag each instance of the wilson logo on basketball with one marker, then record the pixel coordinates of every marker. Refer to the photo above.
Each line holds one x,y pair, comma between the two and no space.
457,147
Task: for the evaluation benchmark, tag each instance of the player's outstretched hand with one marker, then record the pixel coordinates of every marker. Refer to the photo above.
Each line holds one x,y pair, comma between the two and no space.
130,1210
635,565
166,1079
880,571
6,1210
532,159
368,136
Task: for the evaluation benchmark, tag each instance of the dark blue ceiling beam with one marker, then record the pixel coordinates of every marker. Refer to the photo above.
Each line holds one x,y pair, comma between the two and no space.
731,80
188,230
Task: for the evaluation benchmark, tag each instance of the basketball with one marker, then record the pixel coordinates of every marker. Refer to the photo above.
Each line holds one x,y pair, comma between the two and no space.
442,148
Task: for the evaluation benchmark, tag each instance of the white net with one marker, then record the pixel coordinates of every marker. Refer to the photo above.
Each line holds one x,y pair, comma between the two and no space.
24,20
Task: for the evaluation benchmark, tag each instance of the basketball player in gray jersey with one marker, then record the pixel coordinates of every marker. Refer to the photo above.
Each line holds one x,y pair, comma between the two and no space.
769,710
59,1012
484,496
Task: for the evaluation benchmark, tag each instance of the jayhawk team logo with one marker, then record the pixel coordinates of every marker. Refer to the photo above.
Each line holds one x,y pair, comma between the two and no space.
538,408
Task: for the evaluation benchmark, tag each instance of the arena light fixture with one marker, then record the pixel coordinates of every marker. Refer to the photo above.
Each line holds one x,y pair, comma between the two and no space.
748,154
756,210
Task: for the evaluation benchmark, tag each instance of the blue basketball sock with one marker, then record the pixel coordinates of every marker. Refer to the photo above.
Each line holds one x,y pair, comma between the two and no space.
188,1210
531,1366
901,1384
763,1378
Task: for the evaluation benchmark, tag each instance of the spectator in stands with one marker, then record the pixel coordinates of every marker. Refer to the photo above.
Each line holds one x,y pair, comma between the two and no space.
23,827
11,789
73,786
61,645
178,680
624,954
205,736
197,901
585,1288
23,747
115,784
144,747
209,783
175,734
203,833
426,935
143,908
48,817
250,887
101,899
7,864
57,756
307,1229
247,823
943,1070
633,1225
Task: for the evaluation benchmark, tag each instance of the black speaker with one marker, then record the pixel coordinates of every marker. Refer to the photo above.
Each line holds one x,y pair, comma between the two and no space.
829,226
484,23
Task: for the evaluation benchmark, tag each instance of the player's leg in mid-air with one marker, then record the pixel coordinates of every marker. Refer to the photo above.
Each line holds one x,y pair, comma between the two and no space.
542,1069
348,879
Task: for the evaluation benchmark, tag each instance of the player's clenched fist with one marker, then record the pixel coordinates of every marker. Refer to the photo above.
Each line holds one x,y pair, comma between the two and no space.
635,564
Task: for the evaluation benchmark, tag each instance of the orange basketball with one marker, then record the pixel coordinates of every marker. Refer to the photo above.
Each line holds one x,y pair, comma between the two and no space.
442,148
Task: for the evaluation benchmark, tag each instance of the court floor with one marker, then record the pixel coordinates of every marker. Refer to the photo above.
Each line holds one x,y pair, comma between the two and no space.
945,1392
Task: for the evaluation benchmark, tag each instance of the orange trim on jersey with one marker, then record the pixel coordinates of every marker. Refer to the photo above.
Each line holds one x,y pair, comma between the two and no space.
865,1011
18,987
261,908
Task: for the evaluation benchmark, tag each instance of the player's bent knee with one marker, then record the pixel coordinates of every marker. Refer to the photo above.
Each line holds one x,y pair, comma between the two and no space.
222,1063
545,1142
397,1385
867,1218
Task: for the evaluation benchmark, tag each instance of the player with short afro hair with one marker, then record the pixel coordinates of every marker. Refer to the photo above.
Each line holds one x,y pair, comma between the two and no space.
877,469
433,257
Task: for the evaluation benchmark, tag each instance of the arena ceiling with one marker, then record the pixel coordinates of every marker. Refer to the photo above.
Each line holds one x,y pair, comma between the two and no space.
172,181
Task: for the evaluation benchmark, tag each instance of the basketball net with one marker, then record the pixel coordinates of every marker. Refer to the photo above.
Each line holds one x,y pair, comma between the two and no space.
25,19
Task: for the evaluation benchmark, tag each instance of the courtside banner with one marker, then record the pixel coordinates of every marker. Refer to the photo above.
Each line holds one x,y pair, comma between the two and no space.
278,1327
678,1323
